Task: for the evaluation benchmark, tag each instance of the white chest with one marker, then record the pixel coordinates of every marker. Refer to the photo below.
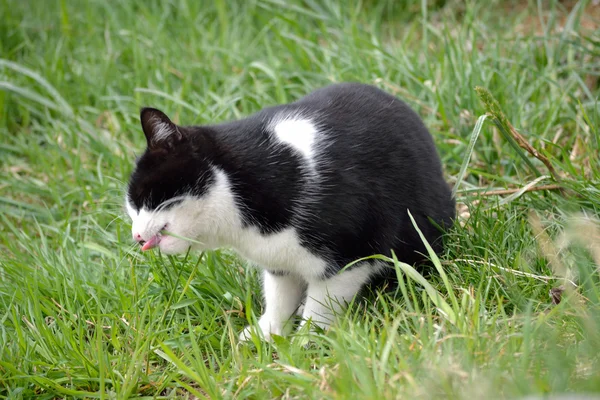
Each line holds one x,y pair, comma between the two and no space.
281,251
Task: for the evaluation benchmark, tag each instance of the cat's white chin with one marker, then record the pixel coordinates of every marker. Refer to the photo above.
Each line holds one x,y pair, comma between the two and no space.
173,245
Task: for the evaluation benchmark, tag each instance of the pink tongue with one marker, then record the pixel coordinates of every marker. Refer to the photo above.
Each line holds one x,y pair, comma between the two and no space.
152,243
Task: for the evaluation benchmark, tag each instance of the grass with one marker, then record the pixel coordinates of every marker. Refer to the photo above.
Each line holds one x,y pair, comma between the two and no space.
85,314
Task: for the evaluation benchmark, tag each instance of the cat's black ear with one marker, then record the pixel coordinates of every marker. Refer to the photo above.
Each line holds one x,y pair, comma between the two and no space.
160,131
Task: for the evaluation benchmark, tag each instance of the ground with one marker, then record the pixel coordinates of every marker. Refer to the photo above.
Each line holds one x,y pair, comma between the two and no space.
515,310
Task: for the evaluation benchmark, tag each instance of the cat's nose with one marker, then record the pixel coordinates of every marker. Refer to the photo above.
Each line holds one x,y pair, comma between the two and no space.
137,237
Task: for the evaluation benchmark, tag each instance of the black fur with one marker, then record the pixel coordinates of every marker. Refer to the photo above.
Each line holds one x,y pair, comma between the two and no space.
378,162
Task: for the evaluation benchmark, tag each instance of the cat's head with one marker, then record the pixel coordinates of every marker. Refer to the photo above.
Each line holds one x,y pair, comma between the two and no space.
171,197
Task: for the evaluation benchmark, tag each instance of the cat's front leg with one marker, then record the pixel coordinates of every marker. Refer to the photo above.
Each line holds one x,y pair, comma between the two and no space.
326,298
283,294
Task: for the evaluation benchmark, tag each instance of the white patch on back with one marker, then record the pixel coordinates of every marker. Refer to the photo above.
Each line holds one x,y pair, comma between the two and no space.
297,132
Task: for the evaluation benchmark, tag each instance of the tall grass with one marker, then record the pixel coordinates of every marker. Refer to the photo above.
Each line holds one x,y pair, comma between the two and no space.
84,314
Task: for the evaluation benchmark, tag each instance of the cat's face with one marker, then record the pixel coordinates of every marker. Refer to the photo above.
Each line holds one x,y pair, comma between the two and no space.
171,197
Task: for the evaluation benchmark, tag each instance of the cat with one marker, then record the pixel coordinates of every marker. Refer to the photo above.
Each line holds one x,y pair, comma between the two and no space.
300,190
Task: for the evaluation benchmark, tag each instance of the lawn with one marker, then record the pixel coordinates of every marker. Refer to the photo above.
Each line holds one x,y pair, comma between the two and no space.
516,309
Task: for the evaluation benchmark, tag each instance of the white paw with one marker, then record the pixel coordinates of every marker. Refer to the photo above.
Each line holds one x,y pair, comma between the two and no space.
266,326
246,334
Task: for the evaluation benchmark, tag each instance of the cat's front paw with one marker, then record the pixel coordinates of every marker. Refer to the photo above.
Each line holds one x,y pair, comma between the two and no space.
246,334
267,328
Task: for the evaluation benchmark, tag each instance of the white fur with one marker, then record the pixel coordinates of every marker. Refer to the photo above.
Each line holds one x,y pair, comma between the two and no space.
130,210
297,132
281,251
163,130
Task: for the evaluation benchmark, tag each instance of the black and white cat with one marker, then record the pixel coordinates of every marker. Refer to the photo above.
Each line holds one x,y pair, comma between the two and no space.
300,189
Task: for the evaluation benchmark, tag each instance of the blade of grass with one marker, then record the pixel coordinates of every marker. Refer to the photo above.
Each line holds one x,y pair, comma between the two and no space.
516,140
470,148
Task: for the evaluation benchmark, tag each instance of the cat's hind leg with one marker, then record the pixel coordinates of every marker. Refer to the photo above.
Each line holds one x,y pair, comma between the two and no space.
326,298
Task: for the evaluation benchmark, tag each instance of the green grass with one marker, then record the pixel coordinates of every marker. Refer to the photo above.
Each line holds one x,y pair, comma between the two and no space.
85,314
